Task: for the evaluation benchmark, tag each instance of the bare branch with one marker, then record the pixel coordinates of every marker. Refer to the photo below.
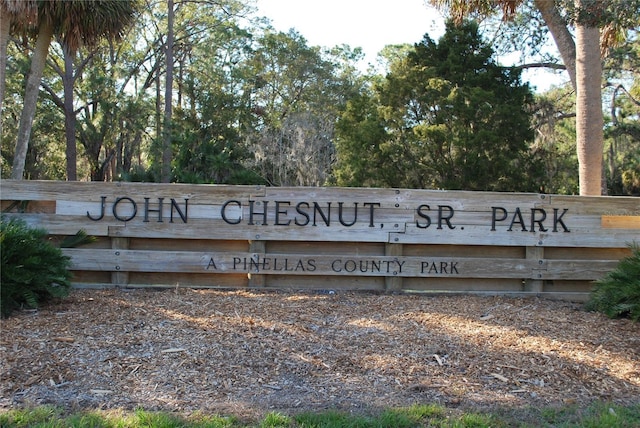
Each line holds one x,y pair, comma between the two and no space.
551,65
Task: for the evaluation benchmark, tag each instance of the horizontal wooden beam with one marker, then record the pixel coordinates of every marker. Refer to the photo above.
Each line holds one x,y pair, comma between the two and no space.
394,216
116,260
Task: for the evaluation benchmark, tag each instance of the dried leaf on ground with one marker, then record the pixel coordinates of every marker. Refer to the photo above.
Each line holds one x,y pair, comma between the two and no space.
249,352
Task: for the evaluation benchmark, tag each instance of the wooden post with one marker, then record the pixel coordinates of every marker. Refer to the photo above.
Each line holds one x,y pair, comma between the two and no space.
534,284
118,277
257,280
393,283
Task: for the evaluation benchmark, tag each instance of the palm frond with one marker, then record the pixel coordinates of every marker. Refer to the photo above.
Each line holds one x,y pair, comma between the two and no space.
77,240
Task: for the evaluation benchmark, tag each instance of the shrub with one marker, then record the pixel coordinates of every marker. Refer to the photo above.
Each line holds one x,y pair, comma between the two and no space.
618,293
33,269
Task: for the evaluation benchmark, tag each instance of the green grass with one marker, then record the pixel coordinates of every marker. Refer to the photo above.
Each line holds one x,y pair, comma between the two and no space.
599,415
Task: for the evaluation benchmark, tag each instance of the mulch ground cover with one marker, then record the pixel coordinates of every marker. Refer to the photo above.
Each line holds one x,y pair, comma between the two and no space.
252,352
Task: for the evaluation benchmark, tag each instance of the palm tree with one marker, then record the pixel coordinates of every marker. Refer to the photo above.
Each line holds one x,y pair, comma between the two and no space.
581,57
589,117
76,22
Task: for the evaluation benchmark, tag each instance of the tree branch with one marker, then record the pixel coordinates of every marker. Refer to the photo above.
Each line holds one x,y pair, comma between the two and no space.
551,65
54,97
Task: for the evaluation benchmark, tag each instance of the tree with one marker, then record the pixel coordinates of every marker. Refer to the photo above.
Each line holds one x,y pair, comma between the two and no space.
211,112
165,175
45,33
622,135
76,22
69,73
184,31
555,140
360,141
296,93
454,119
589,117
111,111
581,57
18,13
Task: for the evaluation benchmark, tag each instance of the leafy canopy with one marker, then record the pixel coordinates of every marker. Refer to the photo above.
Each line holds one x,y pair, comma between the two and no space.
448,116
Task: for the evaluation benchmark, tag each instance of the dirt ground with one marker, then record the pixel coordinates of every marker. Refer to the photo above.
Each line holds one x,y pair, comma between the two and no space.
248,353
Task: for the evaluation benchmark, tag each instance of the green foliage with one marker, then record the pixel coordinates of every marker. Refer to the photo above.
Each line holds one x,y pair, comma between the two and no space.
80,238
275,420
48,416
209,152
410,416
555,142
446,116
253,105
623,174
360,142
45,156
33,269
596,415
622,133
297,94
30,417
618,293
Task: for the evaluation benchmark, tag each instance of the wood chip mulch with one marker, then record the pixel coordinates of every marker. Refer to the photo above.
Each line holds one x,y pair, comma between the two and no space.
249,352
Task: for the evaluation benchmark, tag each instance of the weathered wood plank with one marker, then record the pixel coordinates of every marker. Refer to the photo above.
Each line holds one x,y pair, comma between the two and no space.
598,205
187,280
453,285
620,222
121,261
334,265
347,283
327,248
62,225
464,235
577,269
482,235
486,251
552,295
470,235
583,253
19,206
36,190
326,214
205,230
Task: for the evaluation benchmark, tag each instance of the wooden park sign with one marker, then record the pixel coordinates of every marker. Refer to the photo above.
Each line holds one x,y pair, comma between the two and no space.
167,235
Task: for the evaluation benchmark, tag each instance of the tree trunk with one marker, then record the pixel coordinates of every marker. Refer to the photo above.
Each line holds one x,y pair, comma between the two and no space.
69,116
561,35
5,23
168,99
32,89
589,117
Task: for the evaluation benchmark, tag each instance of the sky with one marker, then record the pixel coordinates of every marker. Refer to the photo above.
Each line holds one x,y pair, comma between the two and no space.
369,24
